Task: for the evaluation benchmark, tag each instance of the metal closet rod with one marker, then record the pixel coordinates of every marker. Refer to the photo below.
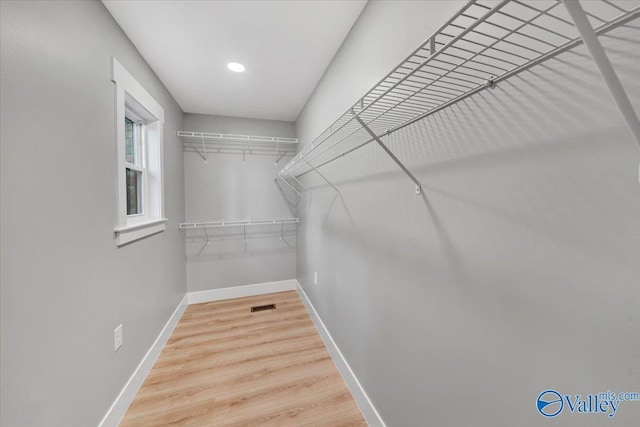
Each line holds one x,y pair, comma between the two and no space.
602,29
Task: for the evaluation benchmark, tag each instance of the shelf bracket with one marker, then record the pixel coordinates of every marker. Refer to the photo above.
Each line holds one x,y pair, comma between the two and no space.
299,183
290,186
204,152
205,243
607,71
386,149
282,236
322,176
202,248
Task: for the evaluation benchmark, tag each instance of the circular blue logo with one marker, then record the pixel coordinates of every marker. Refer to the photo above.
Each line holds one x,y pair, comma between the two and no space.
550,403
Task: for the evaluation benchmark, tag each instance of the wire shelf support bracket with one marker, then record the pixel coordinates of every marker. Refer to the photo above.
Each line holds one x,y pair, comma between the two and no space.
289,185
393,156
323,177
204,151
608,73
299,183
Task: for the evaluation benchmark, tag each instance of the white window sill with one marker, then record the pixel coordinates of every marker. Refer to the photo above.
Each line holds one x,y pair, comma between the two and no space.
130,233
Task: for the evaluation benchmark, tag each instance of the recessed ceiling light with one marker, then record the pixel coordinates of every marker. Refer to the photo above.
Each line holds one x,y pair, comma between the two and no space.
235,67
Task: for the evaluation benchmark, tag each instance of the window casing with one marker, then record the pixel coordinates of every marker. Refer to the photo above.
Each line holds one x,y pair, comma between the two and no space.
140,192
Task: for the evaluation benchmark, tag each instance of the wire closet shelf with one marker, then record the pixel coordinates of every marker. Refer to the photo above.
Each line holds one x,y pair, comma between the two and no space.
239,229
207,142
484,43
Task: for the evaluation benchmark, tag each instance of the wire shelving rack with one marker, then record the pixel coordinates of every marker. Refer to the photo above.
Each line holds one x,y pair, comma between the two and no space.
239,229
484,43
207,142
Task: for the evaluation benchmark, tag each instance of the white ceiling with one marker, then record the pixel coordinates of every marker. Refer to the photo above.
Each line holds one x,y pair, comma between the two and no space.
285,45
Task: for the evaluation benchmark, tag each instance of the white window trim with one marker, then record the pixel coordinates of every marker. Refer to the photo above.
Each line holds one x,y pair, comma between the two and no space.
127,230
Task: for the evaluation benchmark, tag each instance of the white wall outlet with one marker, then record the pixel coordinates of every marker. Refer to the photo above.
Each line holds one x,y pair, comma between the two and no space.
315,278
117,337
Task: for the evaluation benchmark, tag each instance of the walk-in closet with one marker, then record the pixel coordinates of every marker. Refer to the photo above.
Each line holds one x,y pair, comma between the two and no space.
319,213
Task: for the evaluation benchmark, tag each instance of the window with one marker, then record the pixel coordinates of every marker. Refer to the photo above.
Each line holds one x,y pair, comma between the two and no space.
139,122
134,165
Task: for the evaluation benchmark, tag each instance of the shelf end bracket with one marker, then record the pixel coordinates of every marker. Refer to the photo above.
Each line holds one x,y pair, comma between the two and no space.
393,156
298,181
289,185
322,176
204,150
607,71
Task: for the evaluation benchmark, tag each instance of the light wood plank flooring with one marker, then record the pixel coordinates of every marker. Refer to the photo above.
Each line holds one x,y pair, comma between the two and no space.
226,366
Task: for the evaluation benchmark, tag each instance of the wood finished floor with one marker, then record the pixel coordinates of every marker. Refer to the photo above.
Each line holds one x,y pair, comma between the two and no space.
226,366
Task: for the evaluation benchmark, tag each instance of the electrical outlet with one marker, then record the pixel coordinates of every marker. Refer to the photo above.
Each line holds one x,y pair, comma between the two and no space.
315,278
117,337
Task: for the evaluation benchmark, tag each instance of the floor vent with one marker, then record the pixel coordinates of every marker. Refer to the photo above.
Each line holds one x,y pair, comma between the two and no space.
263,307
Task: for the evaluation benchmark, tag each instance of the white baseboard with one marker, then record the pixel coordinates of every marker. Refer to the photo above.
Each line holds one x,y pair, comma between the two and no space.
369,411
197,297
119,408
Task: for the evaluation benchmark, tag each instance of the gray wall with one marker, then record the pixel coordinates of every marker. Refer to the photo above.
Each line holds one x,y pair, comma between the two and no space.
65,284
224,188
516,271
